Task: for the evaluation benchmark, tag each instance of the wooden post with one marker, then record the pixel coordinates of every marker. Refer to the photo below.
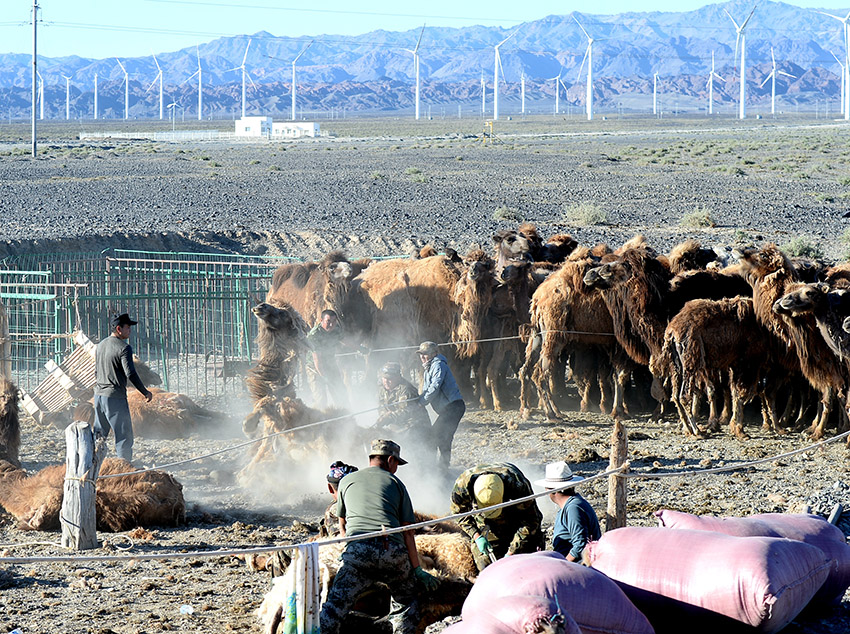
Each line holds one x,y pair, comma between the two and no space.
615,517
82,465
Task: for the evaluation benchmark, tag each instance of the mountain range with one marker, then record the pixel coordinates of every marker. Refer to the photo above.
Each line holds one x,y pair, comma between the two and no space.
374,71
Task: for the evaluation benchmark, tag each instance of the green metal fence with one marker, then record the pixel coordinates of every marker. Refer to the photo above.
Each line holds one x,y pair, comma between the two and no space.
196,327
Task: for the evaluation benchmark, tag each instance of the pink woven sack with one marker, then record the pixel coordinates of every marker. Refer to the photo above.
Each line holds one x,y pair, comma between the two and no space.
810,529
516,615
762,582
593,601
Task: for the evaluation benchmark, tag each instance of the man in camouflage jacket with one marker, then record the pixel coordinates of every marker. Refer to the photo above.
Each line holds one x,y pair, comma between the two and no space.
514,529
401,414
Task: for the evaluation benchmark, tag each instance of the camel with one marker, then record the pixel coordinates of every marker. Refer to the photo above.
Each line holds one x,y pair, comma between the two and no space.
707,343
152,498
436,299
561,308
772,275
10,427
311,287
515,246
445,555
281,339
689,255
555,250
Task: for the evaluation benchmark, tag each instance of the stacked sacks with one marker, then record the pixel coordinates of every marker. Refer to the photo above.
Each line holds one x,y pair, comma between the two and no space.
520,593
810,529
712,582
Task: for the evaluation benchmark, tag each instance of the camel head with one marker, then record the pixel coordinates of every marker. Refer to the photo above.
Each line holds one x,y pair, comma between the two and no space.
805,298
478,265
757,263
608,275
280,318
511,245
690,255
558,248
339,271
515,273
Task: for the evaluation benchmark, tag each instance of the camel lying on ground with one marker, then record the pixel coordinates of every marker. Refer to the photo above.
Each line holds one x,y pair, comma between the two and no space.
153,498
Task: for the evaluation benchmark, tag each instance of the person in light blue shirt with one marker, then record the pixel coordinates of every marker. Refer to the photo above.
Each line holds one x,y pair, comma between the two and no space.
440,391
576,523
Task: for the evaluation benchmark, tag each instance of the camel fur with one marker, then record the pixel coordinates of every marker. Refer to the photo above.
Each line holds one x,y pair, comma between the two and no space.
281,339
152,498
689,256
10,426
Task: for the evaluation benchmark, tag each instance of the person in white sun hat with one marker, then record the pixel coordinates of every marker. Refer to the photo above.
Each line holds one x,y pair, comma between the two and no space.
576,523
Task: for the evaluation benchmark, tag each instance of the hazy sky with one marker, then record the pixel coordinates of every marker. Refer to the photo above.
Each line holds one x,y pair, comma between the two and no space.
128,28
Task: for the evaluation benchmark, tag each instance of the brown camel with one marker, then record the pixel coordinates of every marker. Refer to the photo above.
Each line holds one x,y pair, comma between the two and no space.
689,255
10,427
152,498
311,287
281,339
772,275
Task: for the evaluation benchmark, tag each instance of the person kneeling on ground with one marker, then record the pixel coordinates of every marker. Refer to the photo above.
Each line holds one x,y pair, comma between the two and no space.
504,531
401,414
439,389
329,524
576,523
370,500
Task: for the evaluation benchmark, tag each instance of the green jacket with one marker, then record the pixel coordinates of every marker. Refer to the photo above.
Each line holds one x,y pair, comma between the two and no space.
400,414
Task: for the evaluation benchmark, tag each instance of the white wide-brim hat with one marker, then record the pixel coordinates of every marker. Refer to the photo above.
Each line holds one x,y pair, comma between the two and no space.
558,474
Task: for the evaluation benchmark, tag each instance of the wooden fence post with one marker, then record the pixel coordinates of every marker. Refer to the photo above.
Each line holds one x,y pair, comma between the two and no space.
615,516
82,465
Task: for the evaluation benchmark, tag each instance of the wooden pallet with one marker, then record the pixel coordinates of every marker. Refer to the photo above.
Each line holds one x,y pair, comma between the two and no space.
65,383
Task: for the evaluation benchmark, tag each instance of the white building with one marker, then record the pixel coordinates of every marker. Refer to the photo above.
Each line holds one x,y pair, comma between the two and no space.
254,126
294,129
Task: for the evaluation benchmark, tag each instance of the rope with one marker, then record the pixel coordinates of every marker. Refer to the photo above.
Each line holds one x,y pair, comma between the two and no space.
249,442
619,472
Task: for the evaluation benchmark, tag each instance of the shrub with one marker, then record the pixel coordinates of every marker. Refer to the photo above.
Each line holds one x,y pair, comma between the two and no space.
507,213
585,214
410,171
254,162
844,181
699,218
419,178
376,176
274,168
802,246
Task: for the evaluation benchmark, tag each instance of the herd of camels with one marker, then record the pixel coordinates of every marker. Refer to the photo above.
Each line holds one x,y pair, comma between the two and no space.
634,329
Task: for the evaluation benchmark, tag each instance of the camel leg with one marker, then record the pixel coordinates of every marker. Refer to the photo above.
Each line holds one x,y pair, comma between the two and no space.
494,375
532,357
482,377
824,411
543,384
713,420
621,378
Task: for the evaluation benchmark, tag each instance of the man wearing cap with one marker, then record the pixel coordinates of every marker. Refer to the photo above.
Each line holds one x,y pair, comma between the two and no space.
369,500
576,523
329,524
401,413
113,368
439,389
509,530
325,379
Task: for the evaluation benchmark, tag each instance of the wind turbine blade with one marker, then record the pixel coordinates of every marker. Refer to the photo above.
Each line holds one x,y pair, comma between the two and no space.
772,56
499,60
304,50
737,28
232,69
718,77
744,25
583,59
561,81
581,27
419,41
737,43
154,81
507,38
836,59
834,16
766,79
198,53
121,65
156,62
248,75
781,72
186,81
245,57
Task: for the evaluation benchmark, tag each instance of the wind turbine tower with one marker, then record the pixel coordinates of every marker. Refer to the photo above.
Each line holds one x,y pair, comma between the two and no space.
199,73
159,77
655,93
497,66
126,89
588,56
741,40
522,90
40,96
244,75
95,96
67,97
843,78
557,80
297,57
845,75
710,85
415,53
483,96
772,76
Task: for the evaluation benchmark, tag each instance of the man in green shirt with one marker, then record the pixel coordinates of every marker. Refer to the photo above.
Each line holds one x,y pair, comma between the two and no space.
323,371
370,500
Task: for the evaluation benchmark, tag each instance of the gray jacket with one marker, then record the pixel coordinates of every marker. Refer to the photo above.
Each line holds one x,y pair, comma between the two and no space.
114,367
439,387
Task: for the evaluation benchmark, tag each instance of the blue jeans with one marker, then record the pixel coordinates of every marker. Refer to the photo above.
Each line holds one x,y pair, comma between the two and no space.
114,413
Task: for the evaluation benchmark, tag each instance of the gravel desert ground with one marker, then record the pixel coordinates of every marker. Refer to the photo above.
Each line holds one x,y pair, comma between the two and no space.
379,189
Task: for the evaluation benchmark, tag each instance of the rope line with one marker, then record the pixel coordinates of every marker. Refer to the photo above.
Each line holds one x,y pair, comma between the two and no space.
619,472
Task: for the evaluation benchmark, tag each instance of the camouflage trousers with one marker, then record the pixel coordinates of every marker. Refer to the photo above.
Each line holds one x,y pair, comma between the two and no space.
364,563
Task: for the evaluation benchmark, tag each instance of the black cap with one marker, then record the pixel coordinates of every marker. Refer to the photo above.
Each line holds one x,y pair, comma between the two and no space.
121,320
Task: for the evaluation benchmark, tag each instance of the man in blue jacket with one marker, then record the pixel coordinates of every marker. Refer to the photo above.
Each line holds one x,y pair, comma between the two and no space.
440,391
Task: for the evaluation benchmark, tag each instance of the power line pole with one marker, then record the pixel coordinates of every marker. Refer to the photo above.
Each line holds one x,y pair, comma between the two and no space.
34,71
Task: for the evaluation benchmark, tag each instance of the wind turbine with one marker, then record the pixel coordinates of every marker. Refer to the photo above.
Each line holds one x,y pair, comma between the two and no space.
126,89
483,96
244,75
40,95
159,77
95,96
201,86
67,97
415,53
843,83
297,57
557,80
845,102
497,66
741,39
655,93
588,55
772,76
710,85
522,90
